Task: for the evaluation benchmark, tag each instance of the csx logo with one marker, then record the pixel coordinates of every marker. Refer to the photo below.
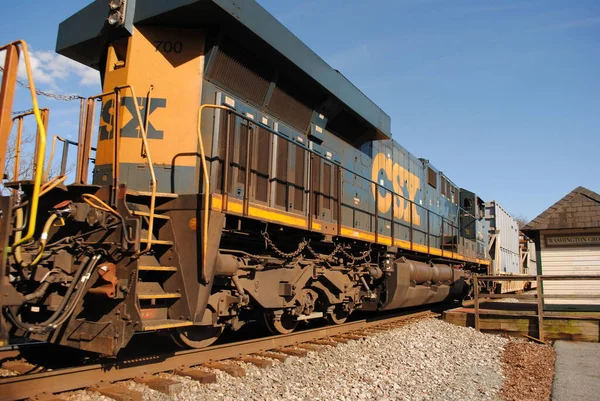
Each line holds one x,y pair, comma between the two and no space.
131,127
403,183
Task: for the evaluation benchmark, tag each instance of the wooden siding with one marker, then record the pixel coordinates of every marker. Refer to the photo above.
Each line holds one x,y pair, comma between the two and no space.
575,260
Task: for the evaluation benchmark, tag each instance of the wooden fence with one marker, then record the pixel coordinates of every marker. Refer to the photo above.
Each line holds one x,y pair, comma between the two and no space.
538,295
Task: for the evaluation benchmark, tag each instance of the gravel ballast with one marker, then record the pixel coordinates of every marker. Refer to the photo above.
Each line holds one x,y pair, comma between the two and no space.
427,360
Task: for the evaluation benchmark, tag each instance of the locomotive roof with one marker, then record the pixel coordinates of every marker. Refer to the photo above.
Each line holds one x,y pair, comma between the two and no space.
83,37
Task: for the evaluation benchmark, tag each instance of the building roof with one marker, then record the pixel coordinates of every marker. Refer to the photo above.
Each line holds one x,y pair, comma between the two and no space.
578,209
84,36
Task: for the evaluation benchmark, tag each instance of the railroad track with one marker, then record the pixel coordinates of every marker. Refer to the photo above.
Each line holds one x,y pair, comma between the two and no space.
191,363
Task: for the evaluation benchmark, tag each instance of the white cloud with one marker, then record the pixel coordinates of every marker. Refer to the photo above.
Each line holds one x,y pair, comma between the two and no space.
52,70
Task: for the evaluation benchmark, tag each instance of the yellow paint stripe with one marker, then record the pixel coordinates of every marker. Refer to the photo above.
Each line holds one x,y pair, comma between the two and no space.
216,202
236,206
435,251
286,218
420,248
384,239
354,233
402,244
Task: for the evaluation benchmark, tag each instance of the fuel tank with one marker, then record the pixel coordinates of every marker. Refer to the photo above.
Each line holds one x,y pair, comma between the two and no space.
410,283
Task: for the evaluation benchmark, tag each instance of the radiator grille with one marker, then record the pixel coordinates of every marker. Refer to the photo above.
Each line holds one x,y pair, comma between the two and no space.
239,71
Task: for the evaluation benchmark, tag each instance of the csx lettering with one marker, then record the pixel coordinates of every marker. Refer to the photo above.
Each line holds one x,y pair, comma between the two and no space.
404,183
131,129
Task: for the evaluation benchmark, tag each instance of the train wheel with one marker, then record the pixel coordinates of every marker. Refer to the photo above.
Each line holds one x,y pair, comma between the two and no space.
197,336
283,325
338,316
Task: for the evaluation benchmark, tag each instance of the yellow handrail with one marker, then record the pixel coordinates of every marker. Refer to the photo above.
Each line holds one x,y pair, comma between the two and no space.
41,150
204,238
142,126
149,162
50,159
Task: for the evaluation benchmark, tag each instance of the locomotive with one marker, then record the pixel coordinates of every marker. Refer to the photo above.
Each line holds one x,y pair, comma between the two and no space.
236,178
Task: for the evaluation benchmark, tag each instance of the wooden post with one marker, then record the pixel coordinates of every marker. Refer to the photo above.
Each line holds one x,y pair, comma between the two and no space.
540,303
476,291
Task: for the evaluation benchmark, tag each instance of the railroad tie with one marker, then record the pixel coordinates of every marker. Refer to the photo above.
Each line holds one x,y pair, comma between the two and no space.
261,363
165,386
323,342
200,375
373,331
230,368
292,351
339,339
361,333
116,392
311,347
272,355
352,336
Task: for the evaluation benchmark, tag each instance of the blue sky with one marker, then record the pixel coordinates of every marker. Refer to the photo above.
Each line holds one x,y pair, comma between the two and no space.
502,96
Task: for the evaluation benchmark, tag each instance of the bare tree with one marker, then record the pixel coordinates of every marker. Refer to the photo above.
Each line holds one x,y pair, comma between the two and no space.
522,220
26,161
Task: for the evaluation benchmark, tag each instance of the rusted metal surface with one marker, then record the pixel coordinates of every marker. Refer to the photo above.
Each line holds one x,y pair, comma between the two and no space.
108,272
18,387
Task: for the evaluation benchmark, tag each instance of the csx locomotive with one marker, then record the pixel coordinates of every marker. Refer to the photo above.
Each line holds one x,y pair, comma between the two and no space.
236,178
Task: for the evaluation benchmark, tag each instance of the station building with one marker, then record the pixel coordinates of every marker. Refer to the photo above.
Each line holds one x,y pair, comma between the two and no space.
567,237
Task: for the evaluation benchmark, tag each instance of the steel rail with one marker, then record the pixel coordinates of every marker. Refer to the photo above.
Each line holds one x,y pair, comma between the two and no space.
29,385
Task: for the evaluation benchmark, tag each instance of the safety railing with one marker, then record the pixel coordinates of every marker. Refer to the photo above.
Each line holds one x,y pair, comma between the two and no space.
7,90
18,119
67,143
426,228
538,295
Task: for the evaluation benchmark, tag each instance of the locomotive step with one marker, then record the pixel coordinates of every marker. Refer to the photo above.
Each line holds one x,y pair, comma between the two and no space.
159,324
157,268
160,295
144,239
133,192
146,214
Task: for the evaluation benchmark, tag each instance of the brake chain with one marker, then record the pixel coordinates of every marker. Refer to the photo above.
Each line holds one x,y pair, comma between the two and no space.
366,255
279,252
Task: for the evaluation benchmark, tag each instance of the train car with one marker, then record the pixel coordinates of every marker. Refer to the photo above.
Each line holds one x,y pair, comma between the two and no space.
511,252
237,178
